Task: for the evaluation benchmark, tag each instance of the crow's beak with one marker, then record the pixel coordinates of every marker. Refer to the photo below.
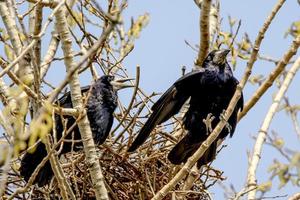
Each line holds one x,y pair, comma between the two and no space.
119,84
220,56
224,52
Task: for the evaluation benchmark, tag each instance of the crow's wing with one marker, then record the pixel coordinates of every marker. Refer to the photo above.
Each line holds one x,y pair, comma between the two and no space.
168,105
65,100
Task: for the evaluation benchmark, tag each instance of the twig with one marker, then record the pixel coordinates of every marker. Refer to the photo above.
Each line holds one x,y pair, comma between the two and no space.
49,55
251,179
137,81
21,54
47,3
243,192
5,168
280,66
39,167
91,52
65,188
236,32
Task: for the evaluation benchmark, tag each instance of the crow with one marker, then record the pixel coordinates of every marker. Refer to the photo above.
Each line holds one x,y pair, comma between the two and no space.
210,90
101,104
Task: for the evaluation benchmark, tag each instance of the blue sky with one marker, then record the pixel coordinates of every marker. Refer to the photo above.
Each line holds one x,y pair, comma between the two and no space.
161,52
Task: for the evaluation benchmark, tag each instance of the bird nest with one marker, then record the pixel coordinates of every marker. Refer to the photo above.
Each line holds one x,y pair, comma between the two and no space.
127,176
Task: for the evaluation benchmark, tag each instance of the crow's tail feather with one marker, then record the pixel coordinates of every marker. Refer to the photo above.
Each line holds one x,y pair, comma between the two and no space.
144,133
187,147
168,105
29,163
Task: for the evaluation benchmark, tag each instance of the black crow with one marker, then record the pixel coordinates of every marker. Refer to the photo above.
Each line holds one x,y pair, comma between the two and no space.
102,101
210,90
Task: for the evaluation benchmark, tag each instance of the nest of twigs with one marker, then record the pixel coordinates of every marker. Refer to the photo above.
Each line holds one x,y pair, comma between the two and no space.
128,176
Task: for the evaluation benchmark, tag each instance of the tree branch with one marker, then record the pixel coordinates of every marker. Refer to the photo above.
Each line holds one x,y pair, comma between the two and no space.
47,3
83,124
65,189
24,71
273,75
251,179
204,32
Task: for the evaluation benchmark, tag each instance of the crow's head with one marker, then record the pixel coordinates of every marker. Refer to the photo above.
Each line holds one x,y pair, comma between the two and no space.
117,84
217,57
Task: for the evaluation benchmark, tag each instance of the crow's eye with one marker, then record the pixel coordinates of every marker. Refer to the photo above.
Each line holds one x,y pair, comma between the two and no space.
110,78
211,55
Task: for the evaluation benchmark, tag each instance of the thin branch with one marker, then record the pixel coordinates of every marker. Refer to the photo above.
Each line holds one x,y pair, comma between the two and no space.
5,168
31,93
46,3
251,179
280,66
58,173
137,81
53,45
42,163
243,192
24,71
204,32
90,53
21,54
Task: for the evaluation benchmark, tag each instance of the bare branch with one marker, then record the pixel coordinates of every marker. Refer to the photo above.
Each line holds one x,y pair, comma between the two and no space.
65,189
280,65
251,179
24,71
273,75
83,124
204,31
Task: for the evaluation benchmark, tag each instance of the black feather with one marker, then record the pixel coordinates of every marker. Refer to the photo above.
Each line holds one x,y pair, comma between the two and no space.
100,107
210,90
